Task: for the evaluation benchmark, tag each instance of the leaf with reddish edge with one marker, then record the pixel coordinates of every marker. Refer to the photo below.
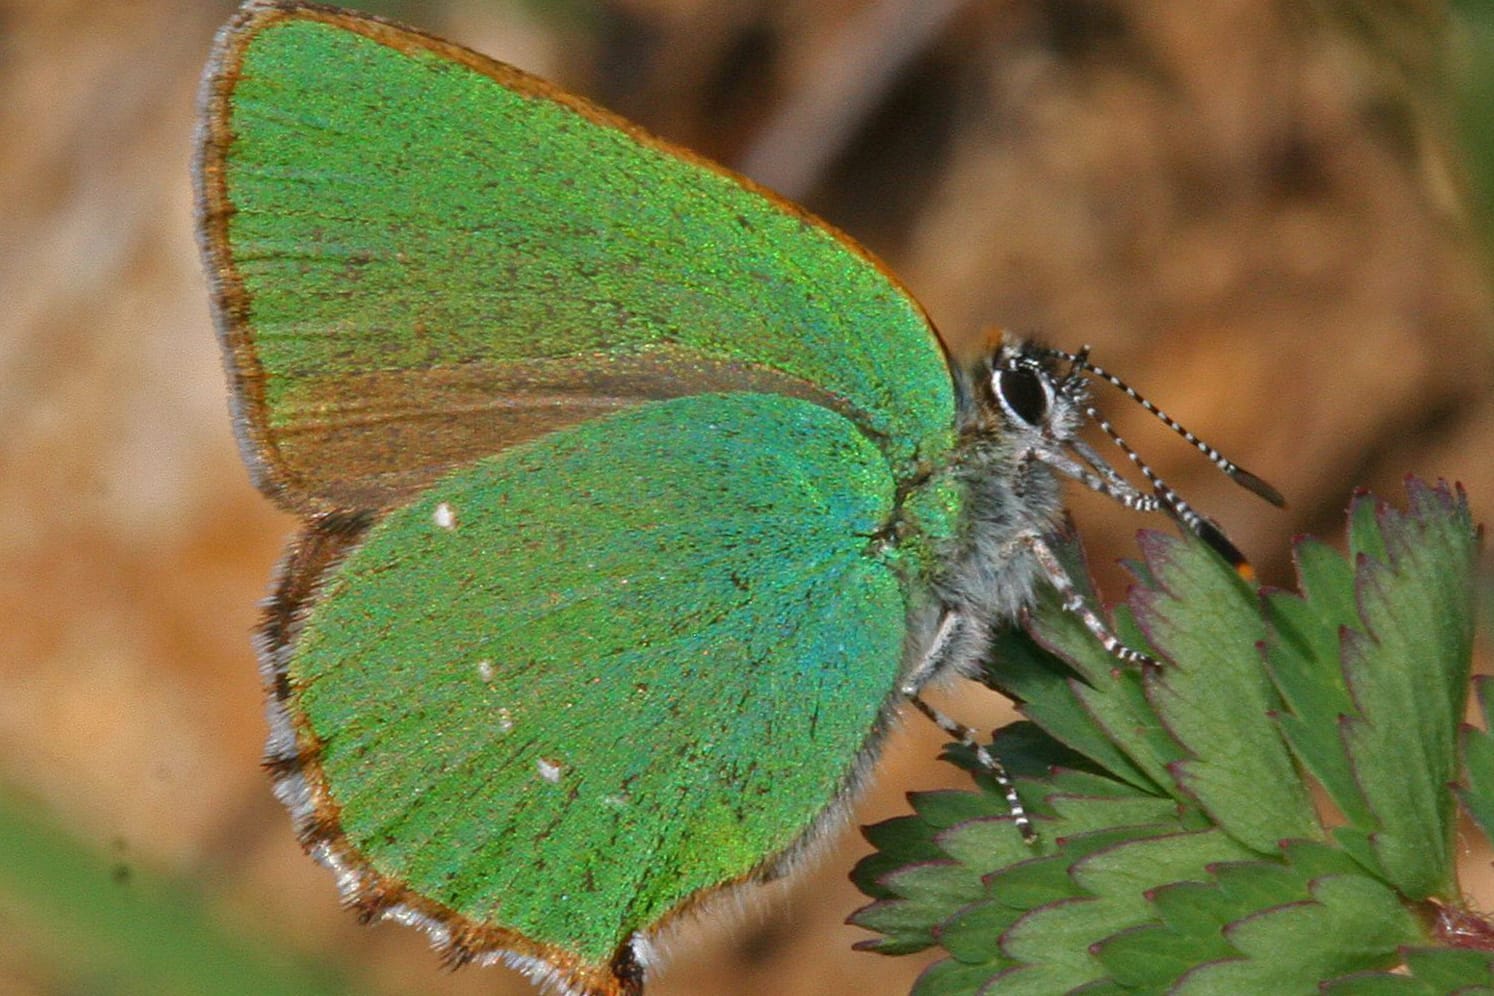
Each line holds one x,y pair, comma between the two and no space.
1214,697
1165,897
1407,674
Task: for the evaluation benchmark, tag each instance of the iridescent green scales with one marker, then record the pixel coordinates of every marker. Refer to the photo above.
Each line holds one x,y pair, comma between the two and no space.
404,223
603,454
610,687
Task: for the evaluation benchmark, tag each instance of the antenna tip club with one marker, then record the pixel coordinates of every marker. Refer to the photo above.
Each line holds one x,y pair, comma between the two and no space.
1247,480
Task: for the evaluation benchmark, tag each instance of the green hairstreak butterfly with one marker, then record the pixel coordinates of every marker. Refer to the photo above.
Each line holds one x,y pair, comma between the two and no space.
635,499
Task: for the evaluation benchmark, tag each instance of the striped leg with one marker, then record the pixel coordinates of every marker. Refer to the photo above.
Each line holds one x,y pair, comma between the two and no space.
989,761
1075,602
933,658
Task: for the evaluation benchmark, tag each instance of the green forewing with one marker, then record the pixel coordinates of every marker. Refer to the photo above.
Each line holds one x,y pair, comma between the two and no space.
423,256
625,663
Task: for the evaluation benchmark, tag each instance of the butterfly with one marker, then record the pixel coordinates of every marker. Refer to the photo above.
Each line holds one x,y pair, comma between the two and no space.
636,500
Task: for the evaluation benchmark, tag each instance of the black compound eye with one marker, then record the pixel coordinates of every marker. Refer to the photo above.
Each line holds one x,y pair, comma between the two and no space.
1023,394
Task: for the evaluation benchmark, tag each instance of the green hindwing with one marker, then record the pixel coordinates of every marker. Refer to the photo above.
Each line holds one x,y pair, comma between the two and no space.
470,687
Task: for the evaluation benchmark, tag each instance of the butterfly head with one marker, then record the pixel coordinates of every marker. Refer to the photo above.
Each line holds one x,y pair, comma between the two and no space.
1031,402
1032,396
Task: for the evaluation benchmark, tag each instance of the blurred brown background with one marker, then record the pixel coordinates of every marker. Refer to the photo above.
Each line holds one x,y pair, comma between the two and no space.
1258,212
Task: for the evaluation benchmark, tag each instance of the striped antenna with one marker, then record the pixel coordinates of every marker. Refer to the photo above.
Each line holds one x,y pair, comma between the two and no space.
1196,524
1234,471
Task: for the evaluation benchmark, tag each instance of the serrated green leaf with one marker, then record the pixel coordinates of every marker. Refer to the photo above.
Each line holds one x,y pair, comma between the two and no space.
1089,812
1476,747
1051,945
1357,844
1150,956
1214,697
938,884
1075,804
1133,885
988,844
1125,874
912,840
899,842
1451,969
911,836
1042,686
1054,942
1408,675
1039,881
1119,707
950,978
1193,916
1027,750
1302,658
1087,784
903,926
1313,859
1090,703
1195,909
1365,539
923,896
973,935
1352,923
1033,760
1100,708
949,807
1252,885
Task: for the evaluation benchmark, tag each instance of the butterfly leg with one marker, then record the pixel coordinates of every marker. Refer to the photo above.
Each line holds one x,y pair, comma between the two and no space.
988,761
1075,602
1102,479
933,658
